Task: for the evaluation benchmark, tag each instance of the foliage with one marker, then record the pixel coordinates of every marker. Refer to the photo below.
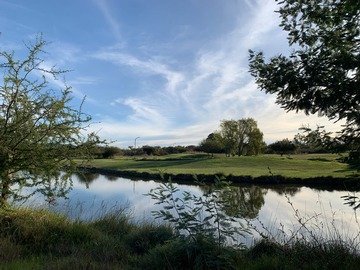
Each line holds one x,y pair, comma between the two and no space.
318,141
282,147
242,137
200,218
245,201
352,201
41,133
39,239
111,151
156,150
153,150
212,144
322,74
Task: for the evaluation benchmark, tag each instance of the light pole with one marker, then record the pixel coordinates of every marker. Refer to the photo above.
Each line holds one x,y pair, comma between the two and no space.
135,141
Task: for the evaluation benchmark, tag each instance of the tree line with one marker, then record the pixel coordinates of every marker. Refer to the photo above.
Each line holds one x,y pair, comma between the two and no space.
239,138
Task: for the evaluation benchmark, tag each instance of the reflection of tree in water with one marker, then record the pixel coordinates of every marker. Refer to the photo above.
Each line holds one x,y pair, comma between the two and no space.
246,201
86,177
243,201
288,190
111,177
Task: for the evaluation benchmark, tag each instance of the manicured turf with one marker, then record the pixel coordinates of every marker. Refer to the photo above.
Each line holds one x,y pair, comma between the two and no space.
302,166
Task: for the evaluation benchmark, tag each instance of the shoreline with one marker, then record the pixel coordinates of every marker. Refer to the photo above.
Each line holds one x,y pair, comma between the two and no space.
324,182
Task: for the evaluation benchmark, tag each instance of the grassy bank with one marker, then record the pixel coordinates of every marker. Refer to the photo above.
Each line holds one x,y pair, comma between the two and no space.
38,239
300,166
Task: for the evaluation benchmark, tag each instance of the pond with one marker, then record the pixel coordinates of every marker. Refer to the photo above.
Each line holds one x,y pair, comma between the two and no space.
276,209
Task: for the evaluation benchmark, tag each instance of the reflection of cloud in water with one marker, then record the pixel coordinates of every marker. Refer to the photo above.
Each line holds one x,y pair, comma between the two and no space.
323,211
104,195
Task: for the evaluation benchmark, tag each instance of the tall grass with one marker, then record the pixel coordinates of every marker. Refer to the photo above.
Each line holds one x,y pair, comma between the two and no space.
316,241
41,239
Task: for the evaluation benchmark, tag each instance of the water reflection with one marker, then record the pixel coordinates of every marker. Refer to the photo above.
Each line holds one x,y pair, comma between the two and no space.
274,207
248,200
86,177
286,190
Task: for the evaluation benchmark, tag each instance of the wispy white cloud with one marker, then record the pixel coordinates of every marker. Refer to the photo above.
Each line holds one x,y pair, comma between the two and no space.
144,113
85,80
214,85
59,83
145,67
111,20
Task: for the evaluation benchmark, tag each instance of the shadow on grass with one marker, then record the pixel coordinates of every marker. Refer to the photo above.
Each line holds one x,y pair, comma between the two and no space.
185,157
351,168
167,162
319,159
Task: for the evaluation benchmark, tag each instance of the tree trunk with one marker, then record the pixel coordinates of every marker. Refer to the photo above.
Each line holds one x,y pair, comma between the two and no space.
5,189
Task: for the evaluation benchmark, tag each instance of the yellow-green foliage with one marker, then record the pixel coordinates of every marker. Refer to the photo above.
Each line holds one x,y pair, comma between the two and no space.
41,228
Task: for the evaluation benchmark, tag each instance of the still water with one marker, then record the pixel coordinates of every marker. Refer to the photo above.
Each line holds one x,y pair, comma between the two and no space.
276,209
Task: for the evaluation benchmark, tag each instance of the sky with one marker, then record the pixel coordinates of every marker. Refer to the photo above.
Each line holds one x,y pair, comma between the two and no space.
159,72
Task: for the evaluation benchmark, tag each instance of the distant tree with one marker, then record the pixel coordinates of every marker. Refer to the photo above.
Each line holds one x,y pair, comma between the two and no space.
174,150
40,131
322,74
111,151
149,150
241,136
229,135
152,150
319,141
256,143
313,141
212,144
190,148
283,147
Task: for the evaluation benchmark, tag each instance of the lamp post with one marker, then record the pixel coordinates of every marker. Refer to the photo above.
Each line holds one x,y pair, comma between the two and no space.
135,141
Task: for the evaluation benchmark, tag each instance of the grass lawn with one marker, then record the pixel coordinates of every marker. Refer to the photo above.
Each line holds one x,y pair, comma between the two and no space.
302,166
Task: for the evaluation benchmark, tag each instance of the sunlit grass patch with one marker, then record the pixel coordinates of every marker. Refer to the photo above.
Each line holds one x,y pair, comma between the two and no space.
300,166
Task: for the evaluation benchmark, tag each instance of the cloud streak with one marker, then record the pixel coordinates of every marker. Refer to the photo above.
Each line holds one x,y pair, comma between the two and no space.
188,103
110,19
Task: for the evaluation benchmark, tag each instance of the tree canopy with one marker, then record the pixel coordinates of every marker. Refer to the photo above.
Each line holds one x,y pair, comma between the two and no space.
282,147
242,136
322,74
40,132
212,144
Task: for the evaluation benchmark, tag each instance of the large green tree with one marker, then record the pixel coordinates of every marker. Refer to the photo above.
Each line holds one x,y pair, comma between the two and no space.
322,73
241,136
40,131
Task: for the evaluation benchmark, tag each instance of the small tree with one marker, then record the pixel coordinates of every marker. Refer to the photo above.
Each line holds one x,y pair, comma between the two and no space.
283,147
212,144
40,133
204,221
111,151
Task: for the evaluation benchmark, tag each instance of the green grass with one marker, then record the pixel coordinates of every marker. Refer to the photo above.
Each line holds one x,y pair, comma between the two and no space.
39,239
302,166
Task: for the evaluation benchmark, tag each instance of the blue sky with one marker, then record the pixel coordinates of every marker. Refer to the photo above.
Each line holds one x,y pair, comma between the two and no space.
167,71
